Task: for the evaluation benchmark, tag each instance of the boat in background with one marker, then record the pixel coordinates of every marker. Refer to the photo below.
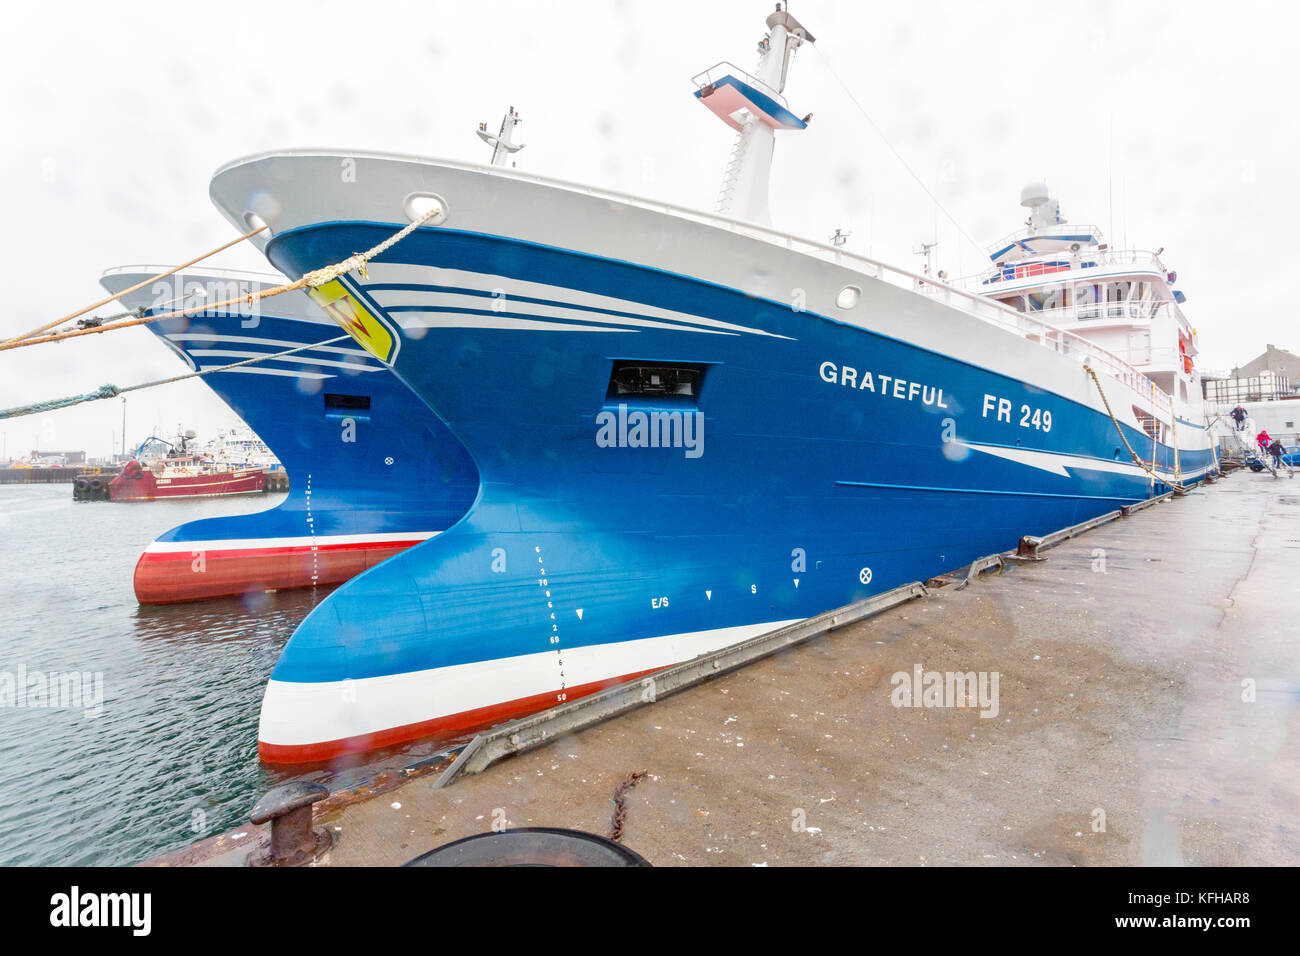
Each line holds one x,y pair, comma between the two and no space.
371,471
177,471
238,446
691,428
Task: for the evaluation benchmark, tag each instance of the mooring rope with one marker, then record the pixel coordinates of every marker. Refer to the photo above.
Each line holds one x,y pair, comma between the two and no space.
314,279
140,285
1173,417
1176,485
112,391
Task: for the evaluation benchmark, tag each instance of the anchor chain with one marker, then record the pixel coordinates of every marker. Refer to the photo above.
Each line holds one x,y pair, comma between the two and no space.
620,804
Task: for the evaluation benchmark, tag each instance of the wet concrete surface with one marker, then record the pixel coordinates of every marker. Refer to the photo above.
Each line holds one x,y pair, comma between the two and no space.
1148,683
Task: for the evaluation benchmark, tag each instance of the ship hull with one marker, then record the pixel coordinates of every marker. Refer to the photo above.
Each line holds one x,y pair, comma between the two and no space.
371,472
840,453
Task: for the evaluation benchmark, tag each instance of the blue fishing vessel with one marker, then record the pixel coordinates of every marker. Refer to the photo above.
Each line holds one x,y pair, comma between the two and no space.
690,428
371,471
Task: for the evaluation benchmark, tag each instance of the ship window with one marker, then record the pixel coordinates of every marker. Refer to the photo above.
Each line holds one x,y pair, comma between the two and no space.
347,406
1086,297
637,379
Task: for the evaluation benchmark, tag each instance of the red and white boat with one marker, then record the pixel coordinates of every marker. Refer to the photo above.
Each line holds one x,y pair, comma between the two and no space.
183,475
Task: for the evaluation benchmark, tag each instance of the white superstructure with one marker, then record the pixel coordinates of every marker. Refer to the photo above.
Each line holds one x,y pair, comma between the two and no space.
1123,301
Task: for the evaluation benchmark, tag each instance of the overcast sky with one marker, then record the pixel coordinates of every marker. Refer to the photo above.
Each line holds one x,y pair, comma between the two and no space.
117,114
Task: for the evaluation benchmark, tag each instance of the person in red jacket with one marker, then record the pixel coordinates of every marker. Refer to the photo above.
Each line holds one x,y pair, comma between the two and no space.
1263,440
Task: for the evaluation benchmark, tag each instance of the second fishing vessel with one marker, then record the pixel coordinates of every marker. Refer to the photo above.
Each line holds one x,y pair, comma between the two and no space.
178,471
371,470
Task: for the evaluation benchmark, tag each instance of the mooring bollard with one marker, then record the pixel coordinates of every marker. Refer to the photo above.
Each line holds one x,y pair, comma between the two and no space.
1028,548
288,809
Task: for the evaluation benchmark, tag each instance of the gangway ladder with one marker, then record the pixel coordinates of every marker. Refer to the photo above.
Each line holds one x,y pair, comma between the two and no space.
1280,461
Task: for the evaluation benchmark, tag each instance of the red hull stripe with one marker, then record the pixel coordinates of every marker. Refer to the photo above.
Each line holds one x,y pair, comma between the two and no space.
452,725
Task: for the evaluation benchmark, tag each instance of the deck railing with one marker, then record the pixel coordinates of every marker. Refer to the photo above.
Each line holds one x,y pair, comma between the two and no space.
1022,233
716,72
1139,259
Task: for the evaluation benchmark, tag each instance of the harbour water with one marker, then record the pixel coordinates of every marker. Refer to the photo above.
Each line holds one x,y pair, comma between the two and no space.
171,754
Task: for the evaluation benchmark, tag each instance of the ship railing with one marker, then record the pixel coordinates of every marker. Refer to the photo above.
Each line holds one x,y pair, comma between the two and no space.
1094,311
1136,311
719,70
977,306
1086,258
1132,257
1024,233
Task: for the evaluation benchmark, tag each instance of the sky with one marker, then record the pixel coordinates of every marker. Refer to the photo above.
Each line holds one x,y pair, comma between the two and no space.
1168,124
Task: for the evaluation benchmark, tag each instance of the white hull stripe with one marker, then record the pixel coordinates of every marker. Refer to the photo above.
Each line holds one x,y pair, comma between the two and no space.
1057,464
212,337
255,370
275,544
432,283
443,320
408,301
295,714
295,359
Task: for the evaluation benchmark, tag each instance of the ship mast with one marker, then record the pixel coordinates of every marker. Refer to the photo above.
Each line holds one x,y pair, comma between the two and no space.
502,143
755,108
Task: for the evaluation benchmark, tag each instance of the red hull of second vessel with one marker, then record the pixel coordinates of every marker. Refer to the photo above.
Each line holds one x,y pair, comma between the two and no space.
144,485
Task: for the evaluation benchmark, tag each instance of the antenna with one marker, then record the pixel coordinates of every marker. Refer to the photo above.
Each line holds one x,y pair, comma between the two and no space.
502,143
1110,176
1124,206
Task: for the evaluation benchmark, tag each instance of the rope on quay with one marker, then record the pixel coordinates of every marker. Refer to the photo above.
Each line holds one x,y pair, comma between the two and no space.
314,279
1176,484
112,391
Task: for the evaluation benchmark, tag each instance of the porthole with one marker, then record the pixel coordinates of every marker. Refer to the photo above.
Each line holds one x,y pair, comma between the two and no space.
848,297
